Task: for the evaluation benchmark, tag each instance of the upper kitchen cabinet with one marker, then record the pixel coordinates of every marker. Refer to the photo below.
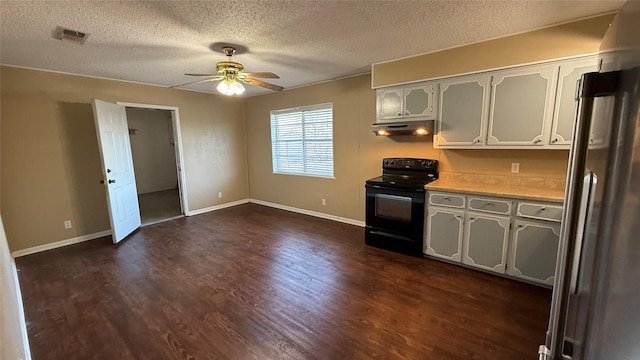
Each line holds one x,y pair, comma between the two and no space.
463,112
416,101
522,106
566,101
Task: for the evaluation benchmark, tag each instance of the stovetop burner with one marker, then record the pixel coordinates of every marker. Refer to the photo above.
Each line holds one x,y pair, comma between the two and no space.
406,173
401,181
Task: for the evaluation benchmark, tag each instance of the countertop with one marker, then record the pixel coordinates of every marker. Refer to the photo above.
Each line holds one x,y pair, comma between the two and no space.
505,186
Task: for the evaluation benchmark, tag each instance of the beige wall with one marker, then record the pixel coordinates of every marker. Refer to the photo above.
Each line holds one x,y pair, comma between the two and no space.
50,162
358,152
549,164
152,149
570,39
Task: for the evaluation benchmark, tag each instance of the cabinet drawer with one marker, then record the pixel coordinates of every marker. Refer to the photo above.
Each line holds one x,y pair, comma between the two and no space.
540,211
490,205
443,199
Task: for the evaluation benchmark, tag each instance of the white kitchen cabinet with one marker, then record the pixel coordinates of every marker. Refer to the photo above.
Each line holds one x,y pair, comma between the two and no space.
539,211
446,199
566,99
463,112
416,101
389,103
522,103
486,238
490,205
444,233
533,250
518,238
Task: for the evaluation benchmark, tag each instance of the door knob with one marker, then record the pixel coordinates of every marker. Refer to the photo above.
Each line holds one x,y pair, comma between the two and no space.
108,171
111,181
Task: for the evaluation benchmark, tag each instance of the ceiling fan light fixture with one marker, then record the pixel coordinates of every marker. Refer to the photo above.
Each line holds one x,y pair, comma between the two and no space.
230,86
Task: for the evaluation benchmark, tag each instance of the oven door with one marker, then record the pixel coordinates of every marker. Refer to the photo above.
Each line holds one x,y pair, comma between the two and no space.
397,211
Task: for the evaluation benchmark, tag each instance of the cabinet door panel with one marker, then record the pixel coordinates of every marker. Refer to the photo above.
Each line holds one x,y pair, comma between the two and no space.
521,106
534,250
444,233
485,241
389,103
463,111
497,206
445,199
566,99
418,101
542,211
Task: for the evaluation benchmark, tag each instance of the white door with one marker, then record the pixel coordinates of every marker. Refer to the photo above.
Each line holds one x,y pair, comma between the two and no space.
117,168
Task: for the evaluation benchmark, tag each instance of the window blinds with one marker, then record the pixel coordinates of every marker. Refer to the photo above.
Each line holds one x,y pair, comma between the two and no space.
302,140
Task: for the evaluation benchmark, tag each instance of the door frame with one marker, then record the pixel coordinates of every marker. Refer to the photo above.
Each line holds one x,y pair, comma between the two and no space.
177,139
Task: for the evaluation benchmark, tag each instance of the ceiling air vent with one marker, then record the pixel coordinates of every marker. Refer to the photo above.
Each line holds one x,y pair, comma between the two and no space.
70,35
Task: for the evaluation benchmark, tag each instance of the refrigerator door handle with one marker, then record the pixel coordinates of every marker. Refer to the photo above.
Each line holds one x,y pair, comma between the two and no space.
584,219
592,85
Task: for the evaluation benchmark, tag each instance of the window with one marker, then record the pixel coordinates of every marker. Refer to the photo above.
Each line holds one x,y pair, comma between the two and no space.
302,140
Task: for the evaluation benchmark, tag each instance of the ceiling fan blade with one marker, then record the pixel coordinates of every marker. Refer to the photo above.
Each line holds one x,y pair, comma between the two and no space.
196,82
263,75
263,84
202,74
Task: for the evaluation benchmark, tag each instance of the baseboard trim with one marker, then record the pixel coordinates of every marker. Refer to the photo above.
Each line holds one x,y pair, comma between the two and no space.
309,212
217,207
97,235
61,243
23,323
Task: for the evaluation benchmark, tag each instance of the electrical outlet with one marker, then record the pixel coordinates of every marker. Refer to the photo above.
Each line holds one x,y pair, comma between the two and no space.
67,224
219,194
324,202
515,167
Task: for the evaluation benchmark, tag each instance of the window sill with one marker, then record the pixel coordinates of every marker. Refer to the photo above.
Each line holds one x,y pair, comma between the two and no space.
305,175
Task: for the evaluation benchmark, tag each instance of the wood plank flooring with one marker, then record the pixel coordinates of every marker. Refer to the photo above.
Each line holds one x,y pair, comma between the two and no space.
252,282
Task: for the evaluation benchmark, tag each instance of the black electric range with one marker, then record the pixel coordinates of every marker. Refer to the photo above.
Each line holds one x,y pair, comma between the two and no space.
395,204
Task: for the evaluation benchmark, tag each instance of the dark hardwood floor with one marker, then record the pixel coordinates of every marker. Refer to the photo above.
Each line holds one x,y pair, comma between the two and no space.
252,282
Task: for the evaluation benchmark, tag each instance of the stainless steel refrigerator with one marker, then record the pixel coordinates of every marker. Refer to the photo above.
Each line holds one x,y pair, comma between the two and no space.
595,308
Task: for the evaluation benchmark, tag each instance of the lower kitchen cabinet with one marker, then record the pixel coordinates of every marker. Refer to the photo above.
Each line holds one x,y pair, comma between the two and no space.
513,237
444,233
533,252
486,238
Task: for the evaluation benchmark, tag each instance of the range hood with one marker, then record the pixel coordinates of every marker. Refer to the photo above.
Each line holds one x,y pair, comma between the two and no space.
420,127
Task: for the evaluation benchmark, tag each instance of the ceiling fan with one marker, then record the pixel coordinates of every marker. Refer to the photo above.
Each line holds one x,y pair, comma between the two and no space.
232,74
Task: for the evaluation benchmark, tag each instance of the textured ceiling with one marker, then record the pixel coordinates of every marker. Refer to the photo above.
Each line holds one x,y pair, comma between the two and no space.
156,42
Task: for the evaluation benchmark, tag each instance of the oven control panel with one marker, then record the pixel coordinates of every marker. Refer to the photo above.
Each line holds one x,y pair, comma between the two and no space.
409,164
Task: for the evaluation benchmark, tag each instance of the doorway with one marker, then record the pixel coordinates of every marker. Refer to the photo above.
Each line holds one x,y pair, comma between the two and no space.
155,148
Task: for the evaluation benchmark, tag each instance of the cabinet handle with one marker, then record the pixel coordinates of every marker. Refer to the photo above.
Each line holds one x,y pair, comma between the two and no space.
489,203
399,114
543,208
472,218
446,198
477,140
458,216
536,141
406,112
556,140
520,226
